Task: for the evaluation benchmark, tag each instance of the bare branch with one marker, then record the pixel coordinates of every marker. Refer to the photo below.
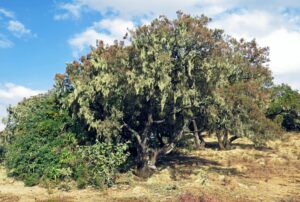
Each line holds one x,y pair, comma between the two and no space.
166,149
147,129
134,132
159,121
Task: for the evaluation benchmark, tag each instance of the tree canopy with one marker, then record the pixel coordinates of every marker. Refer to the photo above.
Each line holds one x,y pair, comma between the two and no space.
176,76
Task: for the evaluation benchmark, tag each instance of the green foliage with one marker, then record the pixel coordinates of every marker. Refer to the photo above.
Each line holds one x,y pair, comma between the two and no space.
285,107
98,163
37,140
150,91
173,73
43,146
176,77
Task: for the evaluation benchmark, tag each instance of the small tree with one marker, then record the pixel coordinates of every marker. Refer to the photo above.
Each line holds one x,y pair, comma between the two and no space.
240,106
285,107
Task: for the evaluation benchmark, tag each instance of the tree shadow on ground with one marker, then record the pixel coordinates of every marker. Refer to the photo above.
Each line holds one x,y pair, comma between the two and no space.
183,166
214,145
176,158
179,163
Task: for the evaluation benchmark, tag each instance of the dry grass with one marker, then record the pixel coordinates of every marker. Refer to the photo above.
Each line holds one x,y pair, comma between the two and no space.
9,198
241,174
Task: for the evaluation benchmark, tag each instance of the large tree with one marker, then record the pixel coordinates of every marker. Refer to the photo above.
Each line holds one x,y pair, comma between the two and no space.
174,77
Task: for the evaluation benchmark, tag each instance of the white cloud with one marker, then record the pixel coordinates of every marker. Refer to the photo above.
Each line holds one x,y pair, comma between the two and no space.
284,50
126,9
6,13
273,23
271,30
106,30
3,113
4,42
73,10
11,94
247,24
17,28
291,77
116,27
80,41
63,16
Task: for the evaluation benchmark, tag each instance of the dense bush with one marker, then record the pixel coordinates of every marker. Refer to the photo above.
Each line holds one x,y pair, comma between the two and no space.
97,164
43,147
285,107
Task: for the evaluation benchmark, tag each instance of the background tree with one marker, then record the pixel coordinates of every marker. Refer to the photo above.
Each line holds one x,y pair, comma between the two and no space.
285,107
240,106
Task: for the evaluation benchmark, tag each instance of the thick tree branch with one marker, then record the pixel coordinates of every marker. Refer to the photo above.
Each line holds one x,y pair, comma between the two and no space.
134,132
147,128
167,148
196,135
160,139
159,121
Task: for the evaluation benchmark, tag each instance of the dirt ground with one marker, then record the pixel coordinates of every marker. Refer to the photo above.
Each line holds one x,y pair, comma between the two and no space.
243,173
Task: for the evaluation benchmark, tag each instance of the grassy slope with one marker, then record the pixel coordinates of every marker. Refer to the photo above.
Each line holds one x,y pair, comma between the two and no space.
241,174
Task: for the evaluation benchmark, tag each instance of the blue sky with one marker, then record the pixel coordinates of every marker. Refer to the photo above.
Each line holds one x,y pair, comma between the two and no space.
37,37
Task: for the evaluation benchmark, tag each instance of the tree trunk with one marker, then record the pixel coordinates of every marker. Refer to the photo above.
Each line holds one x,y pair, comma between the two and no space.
196,135
199,141
220,142
153,155
202,141
160,139
144,165
226,142
147,157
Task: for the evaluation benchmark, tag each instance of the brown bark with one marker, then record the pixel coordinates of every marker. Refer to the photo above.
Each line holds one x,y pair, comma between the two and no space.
146,164
199,141
220,142
225,140
166,149
147,157
196,135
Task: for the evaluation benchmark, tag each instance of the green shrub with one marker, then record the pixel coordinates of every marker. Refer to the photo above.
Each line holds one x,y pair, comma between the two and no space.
98,163
44,147
39,141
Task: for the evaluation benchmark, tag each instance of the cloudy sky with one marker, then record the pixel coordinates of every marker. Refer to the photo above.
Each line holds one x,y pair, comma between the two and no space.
38,37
